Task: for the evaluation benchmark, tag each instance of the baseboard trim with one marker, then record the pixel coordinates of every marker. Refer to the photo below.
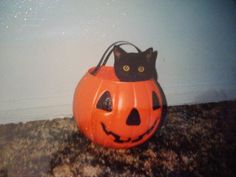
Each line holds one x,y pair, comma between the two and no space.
51,107
37,113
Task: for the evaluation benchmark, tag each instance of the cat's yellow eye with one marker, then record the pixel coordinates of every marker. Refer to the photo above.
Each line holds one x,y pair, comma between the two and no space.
141,69
126,68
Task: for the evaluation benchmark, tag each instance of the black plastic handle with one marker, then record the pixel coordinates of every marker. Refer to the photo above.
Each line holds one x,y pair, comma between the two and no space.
108,52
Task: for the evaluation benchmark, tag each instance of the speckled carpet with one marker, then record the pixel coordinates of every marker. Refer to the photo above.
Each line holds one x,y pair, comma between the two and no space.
196,140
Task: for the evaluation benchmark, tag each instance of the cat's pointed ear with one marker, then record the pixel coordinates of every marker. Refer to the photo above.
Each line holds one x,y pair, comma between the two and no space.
150,55
118,52
155,53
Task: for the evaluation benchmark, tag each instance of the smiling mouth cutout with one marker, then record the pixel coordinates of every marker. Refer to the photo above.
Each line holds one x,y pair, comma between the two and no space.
118,138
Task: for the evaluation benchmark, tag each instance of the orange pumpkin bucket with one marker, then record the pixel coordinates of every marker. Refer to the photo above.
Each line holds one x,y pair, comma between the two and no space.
115,113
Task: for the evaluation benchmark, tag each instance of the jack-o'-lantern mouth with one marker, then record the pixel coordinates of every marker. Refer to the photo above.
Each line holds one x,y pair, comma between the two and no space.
119,139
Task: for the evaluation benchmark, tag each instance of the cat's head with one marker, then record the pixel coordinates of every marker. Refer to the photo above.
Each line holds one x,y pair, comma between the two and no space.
131,67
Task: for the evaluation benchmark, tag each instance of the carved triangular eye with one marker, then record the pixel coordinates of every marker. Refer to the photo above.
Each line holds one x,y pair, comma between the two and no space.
155,101
105,102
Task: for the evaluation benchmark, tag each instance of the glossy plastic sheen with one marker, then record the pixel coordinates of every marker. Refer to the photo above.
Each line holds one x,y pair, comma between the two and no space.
109,128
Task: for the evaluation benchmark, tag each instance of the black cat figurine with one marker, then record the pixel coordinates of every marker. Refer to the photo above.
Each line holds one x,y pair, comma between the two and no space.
132,67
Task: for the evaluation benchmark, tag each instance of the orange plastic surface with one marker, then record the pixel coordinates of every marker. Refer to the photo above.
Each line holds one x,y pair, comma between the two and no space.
125,97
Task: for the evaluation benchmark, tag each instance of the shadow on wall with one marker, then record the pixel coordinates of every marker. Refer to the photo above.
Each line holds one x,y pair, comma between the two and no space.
211,95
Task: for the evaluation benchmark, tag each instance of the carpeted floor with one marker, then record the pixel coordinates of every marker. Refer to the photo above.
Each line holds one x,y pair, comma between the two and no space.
197,140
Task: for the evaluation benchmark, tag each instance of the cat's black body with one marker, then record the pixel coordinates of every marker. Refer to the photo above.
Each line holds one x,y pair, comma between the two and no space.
131,67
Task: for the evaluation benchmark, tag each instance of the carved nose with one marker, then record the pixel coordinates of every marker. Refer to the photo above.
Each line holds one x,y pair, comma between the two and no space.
133,118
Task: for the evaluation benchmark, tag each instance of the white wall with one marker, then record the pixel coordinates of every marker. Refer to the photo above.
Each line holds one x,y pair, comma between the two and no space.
46,46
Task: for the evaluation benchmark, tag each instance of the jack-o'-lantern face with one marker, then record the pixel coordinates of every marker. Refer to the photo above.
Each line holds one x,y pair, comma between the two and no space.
117,114
133,119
